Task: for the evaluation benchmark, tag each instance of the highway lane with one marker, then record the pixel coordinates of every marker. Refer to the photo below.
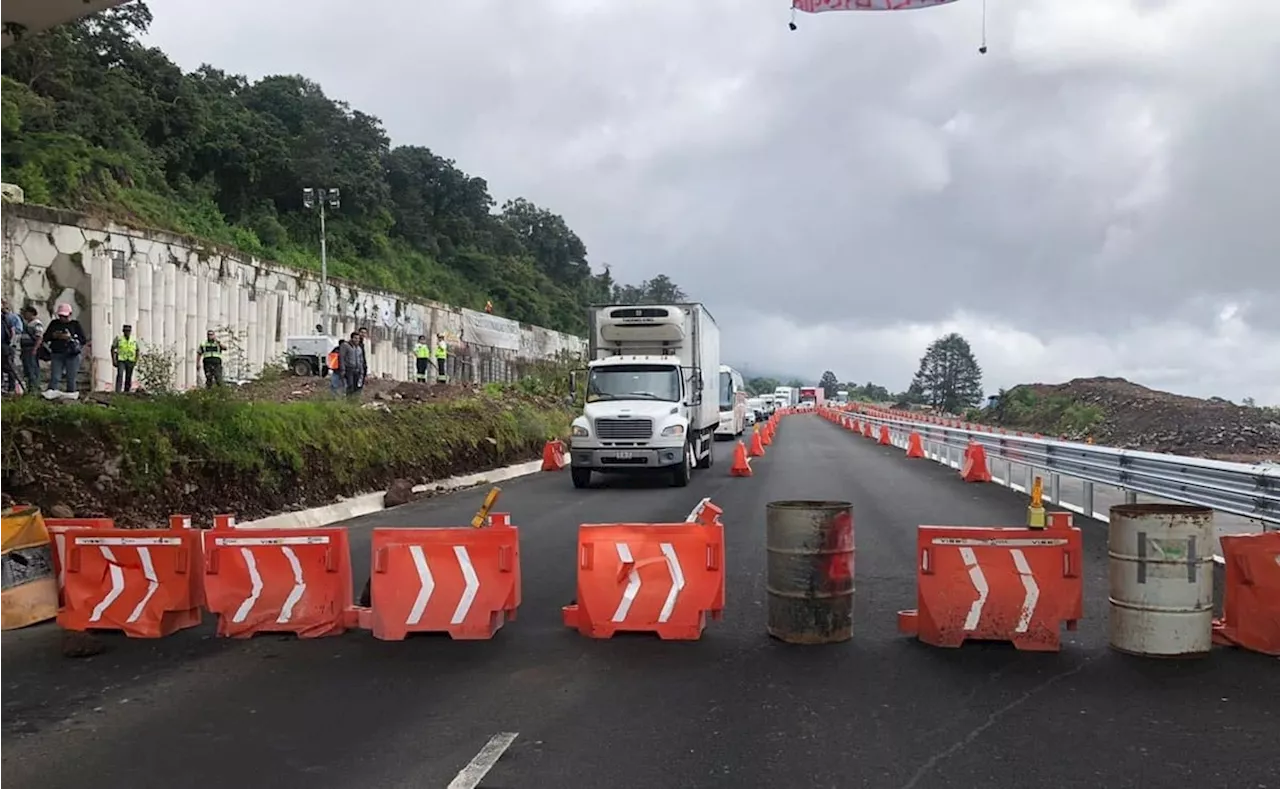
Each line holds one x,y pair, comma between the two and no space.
734,709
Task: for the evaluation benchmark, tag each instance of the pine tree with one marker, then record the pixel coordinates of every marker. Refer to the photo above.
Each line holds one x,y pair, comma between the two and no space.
949,378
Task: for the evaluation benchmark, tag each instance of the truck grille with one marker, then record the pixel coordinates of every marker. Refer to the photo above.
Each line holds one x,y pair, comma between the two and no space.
626,429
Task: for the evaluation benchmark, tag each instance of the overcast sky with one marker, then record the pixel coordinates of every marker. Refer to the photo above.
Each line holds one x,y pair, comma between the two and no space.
1097,195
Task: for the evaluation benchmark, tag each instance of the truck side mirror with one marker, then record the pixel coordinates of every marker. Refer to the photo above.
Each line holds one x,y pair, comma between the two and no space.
573,384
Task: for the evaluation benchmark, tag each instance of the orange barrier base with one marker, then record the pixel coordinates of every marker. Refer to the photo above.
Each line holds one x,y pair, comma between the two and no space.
553,458
1251,593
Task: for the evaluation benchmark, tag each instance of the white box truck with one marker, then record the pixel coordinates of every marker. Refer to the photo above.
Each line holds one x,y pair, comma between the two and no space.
652,385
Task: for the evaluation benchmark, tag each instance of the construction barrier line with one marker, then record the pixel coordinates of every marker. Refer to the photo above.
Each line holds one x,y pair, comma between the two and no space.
1251,594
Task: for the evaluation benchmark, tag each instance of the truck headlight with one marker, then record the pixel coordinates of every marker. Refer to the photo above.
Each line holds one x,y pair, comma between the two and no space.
674,430
579,432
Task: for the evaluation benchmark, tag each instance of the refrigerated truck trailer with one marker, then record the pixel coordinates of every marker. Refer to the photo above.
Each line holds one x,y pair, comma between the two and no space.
652,392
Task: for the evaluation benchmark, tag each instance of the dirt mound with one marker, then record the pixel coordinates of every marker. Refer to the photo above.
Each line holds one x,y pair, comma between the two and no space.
1120,413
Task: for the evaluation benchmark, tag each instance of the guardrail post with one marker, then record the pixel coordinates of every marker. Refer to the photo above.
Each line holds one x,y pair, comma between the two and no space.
1055,489
1086,498
1130,497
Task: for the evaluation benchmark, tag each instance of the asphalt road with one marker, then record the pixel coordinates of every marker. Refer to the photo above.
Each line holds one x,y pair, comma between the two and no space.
735,709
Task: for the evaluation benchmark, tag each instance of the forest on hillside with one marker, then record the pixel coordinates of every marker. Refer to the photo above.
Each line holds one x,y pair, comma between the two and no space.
96,121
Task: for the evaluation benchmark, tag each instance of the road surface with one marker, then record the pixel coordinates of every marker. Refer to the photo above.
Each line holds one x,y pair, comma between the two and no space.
733,710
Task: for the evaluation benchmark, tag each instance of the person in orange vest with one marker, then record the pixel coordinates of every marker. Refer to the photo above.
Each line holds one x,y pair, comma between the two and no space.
332,362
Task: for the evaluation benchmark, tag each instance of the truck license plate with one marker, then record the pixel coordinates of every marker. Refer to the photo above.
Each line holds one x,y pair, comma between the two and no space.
624,456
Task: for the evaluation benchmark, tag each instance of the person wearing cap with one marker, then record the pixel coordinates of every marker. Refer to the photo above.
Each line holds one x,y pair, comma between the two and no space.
442,355
209,357
124,357
65,340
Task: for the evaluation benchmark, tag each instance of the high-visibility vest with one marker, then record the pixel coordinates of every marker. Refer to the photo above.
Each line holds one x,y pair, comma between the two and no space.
442,350
332,360
422,350
127,348
211,350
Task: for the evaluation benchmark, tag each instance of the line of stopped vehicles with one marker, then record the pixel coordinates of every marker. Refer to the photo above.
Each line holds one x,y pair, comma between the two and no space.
655,396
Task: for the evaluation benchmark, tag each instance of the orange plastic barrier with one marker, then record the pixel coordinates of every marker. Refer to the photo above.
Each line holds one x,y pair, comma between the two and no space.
143,582
457,580
1251,594
885,440
866,430
277,580
662,578
757,447
915,449
996,584
553,456
58,529
974,468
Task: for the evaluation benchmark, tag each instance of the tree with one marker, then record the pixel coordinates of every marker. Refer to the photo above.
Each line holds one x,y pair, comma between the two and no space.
1249,402
829,384
949,378
95,120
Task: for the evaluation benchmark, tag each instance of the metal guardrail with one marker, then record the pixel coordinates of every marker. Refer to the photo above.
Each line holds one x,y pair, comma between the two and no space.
1247,490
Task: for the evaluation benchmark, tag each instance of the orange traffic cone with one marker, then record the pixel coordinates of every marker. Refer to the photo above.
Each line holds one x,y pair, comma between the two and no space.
866,430
741,466
884,436
757,448
765,438
914,448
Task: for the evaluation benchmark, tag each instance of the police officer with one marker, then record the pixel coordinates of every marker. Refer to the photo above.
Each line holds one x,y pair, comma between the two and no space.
124,357
442,354
209,357
422,358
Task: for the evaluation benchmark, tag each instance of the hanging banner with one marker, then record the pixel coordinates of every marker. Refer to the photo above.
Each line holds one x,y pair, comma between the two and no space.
481,329
818,6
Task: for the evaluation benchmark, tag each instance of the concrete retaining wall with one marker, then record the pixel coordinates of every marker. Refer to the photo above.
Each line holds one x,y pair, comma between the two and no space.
172,289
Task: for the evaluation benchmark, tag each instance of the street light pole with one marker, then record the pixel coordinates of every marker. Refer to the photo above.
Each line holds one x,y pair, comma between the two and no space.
322,195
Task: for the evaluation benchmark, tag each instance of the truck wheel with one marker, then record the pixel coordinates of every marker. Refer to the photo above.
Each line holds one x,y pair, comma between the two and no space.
301,367
680,476
581,476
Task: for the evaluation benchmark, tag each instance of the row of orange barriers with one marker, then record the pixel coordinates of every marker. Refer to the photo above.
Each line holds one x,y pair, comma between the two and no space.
464,581
1022,584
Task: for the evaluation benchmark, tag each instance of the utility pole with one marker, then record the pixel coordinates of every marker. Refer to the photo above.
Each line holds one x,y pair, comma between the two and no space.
319,196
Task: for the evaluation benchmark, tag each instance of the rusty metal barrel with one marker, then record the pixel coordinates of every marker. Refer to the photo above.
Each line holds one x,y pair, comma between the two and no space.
809,575
1161,591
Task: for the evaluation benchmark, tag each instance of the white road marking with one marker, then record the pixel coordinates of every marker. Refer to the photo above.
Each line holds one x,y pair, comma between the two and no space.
473,584
469,777
427,585
677,581
633,583
309,540
979,583
255,591
693,516
1032,588
153,583
299,586
117,585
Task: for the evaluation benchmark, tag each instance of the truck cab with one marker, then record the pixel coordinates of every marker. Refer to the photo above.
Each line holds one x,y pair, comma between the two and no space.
651,386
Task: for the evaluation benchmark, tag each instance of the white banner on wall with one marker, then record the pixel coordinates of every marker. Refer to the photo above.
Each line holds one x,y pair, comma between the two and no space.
483,329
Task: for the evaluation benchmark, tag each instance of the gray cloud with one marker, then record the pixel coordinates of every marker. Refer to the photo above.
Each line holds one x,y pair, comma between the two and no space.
1103,183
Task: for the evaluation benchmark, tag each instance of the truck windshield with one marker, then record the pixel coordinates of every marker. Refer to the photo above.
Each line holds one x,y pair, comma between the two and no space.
633,382
726,392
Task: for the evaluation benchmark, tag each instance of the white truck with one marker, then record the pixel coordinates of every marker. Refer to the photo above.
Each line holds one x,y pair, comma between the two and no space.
652,382
786,396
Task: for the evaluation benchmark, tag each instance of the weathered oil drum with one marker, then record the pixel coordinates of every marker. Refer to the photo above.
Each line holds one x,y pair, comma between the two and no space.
809,576
1161,565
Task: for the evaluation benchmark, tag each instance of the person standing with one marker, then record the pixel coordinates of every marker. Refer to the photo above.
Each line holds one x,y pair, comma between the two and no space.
209,357
333,363
124,357
32,330
422,358
442,355
12,333
66,342
351,364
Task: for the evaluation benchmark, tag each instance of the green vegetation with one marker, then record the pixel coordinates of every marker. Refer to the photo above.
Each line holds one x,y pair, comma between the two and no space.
189,450
1022,408
949,378
95,121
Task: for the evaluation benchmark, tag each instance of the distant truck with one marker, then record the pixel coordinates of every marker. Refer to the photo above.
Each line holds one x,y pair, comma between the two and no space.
652,386
842,398
812,396
306,354
733,404
786,396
